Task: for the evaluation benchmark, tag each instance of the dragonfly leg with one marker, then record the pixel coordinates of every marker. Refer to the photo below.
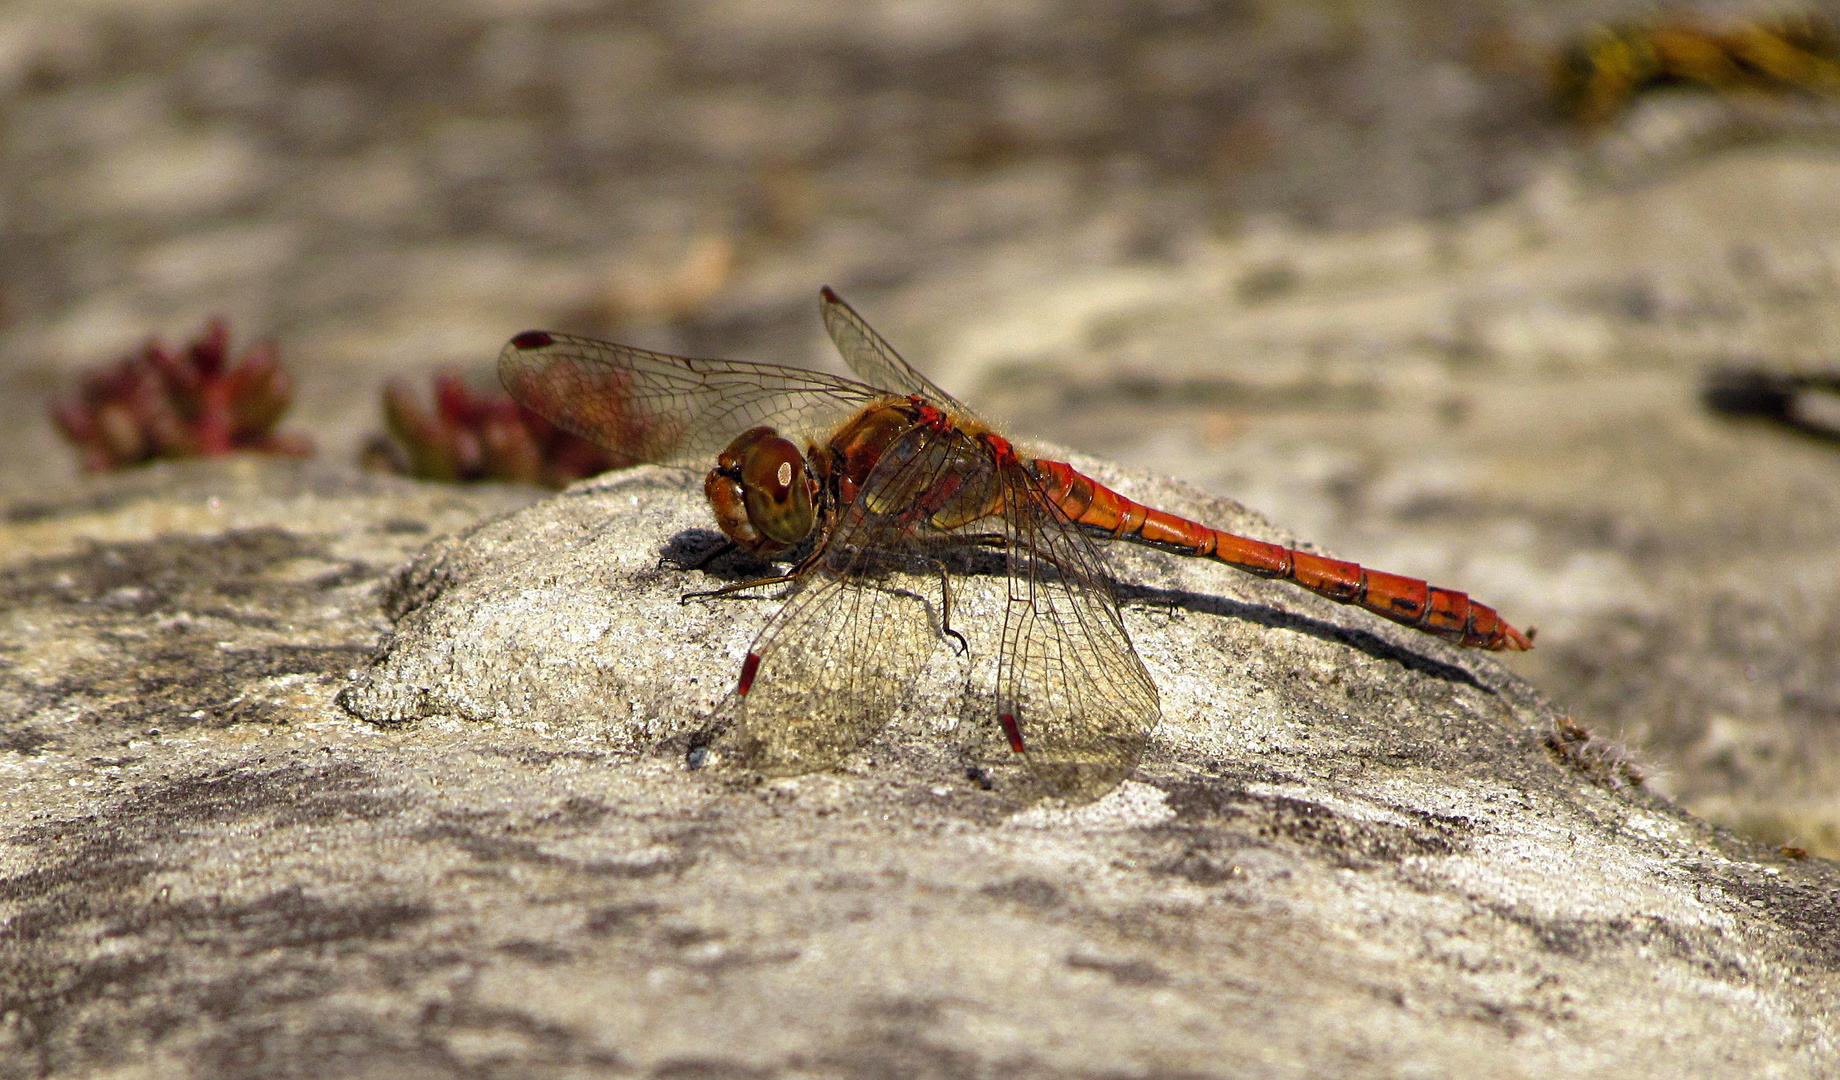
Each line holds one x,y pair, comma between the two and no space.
741,586
735,587
945,608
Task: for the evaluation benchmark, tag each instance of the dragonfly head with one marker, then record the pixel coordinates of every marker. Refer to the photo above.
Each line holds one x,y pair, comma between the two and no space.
761,493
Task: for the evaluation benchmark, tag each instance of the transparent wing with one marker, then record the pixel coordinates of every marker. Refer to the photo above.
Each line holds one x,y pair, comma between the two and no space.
829,671
1072,696
834,665
872,358
671,410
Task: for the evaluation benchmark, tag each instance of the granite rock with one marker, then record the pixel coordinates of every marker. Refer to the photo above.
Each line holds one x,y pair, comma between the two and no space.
1352,851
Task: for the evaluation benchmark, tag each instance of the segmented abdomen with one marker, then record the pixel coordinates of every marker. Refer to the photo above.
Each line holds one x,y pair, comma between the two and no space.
1449,614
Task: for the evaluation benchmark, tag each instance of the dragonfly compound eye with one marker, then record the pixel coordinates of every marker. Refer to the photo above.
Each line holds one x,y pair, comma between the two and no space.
775,490
760,493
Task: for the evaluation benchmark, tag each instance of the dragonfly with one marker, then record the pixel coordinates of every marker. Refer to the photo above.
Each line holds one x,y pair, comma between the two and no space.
857,484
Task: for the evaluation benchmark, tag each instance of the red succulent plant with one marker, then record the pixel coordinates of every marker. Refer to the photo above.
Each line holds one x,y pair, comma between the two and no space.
166,403
467,436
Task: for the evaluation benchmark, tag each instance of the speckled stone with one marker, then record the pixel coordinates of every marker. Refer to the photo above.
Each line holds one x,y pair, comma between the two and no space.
1352,851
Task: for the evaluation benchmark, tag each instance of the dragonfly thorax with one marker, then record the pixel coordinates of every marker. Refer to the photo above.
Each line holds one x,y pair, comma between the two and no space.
762,493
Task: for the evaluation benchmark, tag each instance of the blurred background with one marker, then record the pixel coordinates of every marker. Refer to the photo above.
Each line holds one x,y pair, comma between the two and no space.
1375,268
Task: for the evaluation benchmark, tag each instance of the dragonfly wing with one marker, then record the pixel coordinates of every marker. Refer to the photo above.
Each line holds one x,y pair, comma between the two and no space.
835,664
828,672
874,359
670,410
1072,696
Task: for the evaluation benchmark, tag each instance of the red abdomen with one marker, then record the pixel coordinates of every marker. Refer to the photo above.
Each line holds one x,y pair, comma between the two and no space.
1449,614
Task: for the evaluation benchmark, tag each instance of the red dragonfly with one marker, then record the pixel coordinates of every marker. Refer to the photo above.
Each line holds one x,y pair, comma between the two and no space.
852,481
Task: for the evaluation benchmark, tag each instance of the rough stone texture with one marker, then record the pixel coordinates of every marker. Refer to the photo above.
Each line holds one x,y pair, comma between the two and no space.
1352,851
1340,262
200,597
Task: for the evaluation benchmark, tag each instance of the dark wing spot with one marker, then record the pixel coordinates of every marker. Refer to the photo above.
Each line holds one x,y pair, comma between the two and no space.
533,339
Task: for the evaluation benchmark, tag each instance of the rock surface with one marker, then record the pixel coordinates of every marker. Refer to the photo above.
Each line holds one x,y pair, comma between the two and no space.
1341,262
1352,851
